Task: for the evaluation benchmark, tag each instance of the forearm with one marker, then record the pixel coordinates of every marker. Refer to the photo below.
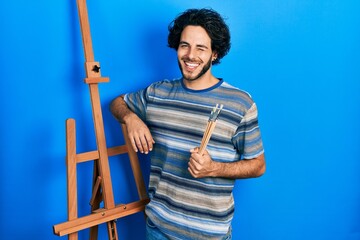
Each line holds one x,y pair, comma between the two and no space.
241,169
203,166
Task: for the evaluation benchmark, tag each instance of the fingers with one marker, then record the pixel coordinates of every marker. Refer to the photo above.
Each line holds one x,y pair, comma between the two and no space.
195,150
192,172
195,163
139,134
192,167
145,145
199,165
133,144
142,142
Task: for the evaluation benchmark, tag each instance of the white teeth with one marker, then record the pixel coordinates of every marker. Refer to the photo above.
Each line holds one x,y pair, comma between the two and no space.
191,64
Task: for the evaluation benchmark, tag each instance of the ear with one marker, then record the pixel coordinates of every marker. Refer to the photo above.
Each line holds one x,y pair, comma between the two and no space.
214,56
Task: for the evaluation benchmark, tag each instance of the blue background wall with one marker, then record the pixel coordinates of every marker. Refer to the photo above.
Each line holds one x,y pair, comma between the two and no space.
299,60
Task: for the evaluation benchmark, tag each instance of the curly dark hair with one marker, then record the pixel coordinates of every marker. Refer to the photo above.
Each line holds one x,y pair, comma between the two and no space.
213,24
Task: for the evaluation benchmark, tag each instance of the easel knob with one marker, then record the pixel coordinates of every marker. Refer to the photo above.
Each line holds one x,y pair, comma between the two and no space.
92,69
96,68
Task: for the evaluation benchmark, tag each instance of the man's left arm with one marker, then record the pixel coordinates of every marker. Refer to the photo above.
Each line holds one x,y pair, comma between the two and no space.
203,166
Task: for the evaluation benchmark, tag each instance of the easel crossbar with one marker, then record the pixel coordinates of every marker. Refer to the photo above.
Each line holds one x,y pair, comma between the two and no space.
100,216
94,155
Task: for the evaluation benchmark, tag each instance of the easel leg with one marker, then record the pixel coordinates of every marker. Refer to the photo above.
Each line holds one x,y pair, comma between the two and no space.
96,198
95,204
71,173
135,165
112,230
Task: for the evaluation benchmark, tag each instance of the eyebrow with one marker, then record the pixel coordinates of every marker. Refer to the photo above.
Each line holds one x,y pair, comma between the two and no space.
197,45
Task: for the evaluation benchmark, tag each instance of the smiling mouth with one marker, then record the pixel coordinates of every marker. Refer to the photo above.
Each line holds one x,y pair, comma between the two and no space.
191,66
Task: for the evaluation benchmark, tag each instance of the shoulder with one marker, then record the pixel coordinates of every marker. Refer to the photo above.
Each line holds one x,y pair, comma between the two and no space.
236,95
163,88
166,83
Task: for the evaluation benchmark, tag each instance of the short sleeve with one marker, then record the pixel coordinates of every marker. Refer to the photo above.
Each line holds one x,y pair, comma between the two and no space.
137,102
247,139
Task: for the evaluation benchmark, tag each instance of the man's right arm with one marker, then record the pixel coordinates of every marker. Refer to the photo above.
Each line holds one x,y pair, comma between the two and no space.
139,134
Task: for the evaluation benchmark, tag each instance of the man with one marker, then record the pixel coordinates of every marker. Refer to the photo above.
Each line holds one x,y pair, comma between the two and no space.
191,194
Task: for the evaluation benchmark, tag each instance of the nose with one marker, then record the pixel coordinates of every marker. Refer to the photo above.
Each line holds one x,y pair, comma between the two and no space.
191,53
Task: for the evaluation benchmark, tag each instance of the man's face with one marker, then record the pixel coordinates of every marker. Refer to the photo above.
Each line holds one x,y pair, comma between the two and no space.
194,53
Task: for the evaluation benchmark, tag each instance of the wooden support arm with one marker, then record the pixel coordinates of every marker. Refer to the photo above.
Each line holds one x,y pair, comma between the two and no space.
99,217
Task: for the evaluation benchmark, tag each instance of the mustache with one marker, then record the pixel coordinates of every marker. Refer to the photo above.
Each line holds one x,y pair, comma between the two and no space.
192,60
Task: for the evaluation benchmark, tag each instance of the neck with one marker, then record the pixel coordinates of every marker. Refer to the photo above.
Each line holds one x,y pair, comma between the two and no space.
204,82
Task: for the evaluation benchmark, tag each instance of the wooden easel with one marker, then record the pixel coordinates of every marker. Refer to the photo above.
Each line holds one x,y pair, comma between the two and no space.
102,186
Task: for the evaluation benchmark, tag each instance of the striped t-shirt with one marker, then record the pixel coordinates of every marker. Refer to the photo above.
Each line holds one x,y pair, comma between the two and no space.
181,206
